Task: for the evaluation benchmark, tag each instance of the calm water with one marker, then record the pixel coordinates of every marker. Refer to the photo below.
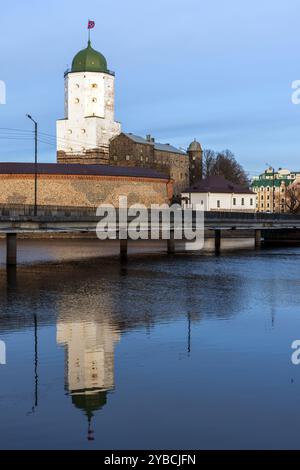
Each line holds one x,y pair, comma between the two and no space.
165,352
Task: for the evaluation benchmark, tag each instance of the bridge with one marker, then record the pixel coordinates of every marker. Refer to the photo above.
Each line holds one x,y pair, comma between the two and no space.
20,219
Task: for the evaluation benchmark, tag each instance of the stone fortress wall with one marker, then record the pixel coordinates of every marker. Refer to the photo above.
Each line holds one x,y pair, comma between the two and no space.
83,191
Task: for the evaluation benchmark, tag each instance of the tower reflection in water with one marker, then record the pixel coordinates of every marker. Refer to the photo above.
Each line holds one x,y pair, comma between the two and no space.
89,363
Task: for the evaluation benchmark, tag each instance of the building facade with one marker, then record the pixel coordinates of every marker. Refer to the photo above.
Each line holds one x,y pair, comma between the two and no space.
134,151
272,190
84,134
89,134
215,193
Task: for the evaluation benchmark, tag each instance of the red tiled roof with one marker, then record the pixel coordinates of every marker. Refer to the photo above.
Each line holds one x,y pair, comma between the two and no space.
78,169
217,184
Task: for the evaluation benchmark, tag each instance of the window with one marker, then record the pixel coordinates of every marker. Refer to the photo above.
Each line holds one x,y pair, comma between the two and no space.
202,202
76,100
243,201
268,189
262,197
94,85
94,100
251,202
76,85
115,158
218,204
282,200
127,157
234,201
83,131
69,131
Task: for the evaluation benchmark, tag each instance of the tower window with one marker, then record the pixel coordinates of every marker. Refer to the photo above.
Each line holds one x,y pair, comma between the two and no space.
69,131
76,100
76,86
94,85
94,100
83,131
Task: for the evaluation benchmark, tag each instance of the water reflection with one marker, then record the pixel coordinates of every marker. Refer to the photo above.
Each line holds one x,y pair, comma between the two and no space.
89,363
181,329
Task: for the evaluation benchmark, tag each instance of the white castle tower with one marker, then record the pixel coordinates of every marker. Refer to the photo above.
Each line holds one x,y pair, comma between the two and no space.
84,134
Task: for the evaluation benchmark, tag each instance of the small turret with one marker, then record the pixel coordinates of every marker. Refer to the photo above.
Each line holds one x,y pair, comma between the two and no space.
195,154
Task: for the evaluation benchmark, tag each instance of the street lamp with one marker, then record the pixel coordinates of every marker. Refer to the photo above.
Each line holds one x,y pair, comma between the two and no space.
35,162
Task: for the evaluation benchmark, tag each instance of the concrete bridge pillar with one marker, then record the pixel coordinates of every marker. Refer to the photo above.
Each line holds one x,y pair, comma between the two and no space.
123,249
171,244
11,249
217,241
257,239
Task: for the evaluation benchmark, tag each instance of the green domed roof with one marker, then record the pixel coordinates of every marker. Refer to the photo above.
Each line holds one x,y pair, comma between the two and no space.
89,60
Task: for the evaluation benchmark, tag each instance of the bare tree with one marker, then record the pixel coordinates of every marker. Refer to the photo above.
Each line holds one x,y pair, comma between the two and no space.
209,160
224,164
293,198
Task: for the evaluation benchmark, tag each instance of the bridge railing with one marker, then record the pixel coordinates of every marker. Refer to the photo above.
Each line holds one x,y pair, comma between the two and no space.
27,210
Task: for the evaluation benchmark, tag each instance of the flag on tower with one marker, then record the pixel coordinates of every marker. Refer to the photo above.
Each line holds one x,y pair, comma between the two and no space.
91,24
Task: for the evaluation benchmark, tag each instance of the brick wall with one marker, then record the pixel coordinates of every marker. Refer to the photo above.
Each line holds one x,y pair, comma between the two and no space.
86,191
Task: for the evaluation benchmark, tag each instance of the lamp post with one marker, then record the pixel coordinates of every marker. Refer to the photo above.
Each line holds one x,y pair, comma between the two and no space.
35,162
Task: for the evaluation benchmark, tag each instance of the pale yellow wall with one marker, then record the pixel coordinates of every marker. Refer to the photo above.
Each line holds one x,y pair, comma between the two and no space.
80,191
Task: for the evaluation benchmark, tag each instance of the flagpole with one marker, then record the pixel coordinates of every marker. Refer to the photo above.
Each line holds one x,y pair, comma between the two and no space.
89,31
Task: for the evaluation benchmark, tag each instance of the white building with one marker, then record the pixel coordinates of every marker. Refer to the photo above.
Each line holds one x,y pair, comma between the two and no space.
89,121
215,193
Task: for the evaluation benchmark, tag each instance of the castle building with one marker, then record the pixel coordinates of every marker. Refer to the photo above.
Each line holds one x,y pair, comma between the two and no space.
89,133
195,154
84,134
183,168
272,189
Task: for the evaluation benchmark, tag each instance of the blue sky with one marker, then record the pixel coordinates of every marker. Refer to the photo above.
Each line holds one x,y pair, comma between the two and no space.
218,71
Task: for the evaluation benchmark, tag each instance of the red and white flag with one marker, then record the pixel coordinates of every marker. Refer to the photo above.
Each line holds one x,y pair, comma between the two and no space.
91,24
